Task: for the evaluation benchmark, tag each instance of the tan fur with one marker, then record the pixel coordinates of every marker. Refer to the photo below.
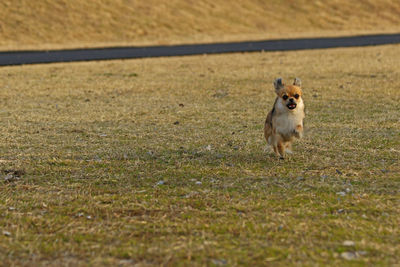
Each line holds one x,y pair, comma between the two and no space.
283,125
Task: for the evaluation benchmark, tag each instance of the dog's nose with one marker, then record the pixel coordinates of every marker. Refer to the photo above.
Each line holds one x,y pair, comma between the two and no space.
291,99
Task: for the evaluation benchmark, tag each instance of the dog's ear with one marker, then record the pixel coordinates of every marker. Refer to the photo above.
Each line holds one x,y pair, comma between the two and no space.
278,83
297,82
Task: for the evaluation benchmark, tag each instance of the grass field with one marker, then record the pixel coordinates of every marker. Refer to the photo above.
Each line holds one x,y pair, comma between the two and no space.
162,162
46,24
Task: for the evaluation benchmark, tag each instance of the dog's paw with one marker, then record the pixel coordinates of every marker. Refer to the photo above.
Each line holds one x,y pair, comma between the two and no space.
268,149
298,134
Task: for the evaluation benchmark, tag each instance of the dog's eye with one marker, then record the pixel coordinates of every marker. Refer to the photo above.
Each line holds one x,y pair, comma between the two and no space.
285,97
296,96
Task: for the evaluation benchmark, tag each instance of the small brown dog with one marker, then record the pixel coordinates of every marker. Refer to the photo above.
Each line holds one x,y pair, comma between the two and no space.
285,121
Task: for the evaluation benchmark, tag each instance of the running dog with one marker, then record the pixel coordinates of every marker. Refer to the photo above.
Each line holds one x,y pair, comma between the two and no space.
284,122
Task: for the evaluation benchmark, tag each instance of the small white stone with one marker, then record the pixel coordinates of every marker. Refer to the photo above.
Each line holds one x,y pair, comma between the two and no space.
6,233
348,255
348,243
361,253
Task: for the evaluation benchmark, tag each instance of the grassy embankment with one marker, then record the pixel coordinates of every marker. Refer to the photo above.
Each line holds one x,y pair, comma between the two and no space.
46,24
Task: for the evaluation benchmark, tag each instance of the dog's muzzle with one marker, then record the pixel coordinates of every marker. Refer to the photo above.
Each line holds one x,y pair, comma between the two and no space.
291,104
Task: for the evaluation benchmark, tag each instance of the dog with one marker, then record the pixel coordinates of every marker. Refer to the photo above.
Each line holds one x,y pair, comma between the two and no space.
284,122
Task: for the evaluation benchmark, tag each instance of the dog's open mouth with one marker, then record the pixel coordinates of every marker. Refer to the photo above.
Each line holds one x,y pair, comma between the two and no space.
291,106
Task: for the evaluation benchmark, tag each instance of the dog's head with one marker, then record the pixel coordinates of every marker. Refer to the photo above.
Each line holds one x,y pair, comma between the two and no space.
290,95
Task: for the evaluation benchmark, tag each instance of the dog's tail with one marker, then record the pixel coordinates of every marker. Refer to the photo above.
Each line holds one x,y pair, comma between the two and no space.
268,128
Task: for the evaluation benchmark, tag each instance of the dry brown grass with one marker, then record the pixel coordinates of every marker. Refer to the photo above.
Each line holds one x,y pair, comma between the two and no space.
95,139
26,24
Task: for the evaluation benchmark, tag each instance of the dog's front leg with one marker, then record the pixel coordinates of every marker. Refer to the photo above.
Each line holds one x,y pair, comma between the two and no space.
298,132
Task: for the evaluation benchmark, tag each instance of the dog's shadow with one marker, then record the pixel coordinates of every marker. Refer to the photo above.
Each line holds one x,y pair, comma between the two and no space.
227,158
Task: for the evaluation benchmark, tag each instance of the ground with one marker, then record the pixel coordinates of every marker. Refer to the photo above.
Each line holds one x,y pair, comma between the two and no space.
47,24
162,161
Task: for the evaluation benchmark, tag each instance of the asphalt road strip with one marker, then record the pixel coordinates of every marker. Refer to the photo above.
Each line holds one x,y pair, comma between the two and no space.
9,58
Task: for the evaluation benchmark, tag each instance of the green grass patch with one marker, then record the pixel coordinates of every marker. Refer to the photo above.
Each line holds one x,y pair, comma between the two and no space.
162,162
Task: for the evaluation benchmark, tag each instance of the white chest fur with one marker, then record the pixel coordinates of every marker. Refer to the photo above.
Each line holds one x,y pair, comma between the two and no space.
286,121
